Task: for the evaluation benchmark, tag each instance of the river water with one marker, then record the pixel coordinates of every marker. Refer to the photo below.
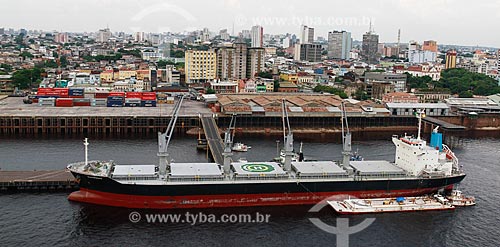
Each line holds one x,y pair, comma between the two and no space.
42,219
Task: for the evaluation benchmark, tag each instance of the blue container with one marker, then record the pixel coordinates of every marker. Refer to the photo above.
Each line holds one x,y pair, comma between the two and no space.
76,91
116,98
132,104
148,103
111,104
437,140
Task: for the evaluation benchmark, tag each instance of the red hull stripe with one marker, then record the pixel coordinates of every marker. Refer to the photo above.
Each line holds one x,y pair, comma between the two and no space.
234,200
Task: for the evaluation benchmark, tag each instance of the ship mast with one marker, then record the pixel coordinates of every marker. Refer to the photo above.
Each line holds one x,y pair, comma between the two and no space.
420,114
86,144
287,138
164,138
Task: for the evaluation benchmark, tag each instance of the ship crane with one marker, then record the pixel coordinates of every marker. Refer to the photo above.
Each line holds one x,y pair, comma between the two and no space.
228,144
346,140
164,139
287,138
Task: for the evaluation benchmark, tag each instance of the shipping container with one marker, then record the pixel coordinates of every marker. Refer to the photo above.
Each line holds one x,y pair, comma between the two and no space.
133,95
101,95
116,98
148,103
132,104
81,103
76,92
64,102
120,94
114,104
81,100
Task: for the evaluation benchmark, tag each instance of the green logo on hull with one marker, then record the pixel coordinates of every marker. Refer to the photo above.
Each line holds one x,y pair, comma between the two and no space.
257,168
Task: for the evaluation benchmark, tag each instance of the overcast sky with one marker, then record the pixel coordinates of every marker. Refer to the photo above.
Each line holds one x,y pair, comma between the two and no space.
461,22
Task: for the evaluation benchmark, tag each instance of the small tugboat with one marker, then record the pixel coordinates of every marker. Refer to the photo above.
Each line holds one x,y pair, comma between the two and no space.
391,205
458,199
240,147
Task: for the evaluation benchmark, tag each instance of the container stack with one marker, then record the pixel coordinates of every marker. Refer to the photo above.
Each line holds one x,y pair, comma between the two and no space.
76,93
133,99
116,99
148,99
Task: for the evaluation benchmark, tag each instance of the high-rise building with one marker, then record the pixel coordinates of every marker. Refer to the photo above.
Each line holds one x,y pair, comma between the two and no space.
239,62
224,35
140,37
286,42
308,52
451,59
306,35
257,36
430,45
200,66
370,47
103,35
339,44
61,38
255,61
2,31
225,62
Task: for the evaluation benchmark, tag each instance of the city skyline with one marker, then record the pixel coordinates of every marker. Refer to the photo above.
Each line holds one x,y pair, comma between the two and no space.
447,21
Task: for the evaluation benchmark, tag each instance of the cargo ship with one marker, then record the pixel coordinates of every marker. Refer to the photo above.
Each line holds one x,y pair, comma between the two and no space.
418,169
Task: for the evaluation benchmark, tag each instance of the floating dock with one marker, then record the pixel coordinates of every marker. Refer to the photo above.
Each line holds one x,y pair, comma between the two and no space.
42,181
391,205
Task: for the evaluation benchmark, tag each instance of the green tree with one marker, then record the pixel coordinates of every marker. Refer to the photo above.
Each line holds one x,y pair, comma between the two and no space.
265,74
465,83
6,67
26,54
331,90
210,91
276,85
24,78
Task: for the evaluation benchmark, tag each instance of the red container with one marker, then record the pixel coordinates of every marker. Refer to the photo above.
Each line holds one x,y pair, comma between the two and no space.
101,95
148,98
133,95
81,104
149,94
64,102
34,100
122,94
42,90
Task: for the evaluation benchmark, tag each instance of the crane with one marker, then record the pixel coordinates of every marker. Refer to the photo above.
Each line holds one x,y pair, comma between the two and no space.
287,137
228,144
164,138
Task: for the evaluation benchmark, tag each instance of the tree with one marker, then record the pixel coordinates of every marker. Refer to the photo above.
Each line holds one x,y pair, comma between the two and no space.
276,85
210,91
331,90
360,94
6,67
418,82
465,83
24,78
265,74
26,54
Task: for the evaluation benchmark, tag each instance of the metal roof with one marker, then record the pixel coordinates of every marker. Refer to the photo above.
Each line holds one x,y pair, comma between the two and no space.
258,109
134,170
295,109
195,170
318,168
418,105
374,167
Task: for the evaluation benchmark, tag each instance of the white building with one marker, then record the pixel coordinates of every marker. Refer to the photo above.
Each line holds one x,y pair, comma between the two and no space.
306,35
257,36
419,56
339,45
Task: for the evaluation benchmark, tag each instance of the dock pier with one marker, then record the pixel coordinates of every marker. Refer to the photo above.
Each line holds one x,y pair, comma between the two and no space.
37,181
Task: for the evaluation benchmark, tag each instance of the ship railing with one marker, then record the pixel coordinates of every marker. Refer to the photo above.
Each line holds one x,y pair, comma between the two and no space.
450,153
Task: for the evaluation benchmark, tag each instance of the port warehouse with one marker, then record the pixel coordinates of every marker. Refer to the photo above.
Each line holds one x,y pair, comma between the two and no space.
152,124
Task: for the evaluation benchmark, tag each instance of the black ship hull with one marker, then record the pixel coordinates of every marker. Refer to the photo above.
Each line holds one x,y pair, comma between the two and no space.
106,191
